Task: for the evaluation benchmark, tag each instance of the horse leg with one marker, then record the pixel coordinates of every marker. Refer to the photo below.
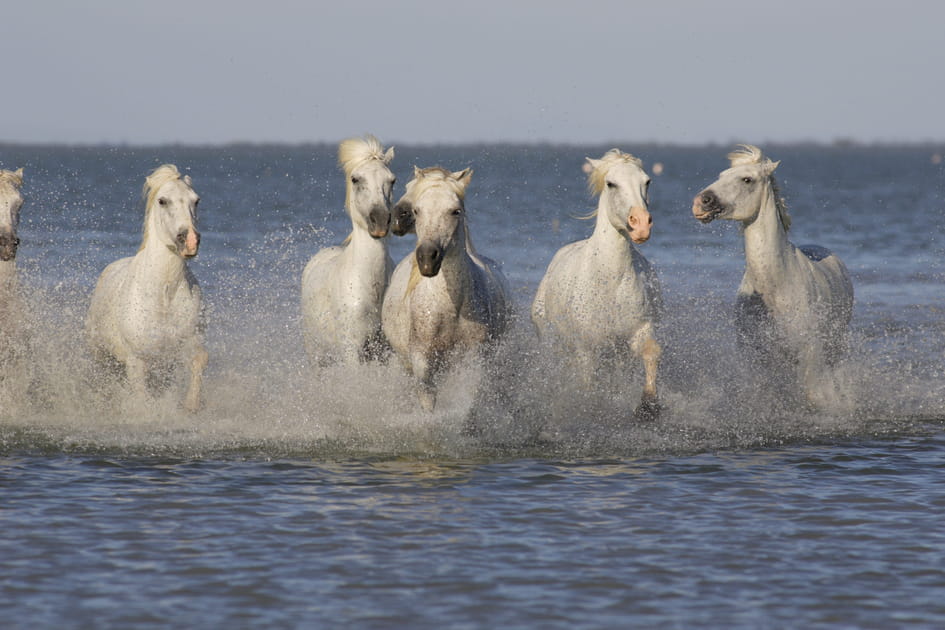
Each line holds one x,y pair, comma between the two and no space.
649,350
422,368
198,363
136,371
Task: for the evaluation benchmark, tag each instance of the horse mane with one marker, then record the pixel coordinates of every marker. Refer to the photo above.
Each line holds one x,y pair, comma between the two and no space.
750,154
429,176
12,177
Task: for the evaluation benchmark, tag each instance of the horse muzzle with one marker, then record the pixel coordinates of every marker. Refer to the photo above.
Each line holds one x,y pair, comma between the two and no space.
8,245
188,242
640,223
378,221
401,220
706,206
429,259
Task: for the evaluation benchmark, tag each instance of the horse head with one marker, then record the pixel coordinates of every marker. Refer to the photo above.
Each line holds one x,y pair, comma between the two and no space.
435,198
171,211
10,202
369,183
740,191
623,187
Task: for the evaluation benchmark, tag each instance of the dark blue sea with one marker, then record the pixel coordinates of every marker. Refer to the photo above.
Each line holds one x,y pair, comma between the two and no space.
326,498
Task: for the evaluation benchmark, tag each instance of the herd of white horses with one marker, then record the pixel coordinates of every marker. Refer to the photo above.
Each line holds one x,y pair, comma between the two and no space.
599,297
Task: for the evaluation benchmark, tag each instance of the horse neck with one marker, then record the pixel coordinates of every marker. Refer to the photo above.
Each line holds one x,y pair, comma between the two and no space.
610,245
767,249
156,262
361,244
457,263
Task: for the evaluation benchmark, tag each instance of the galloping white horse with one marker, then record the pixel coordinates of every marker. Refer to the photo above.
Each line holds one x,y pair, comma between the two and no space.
600,295
443,298
11,324
343,286
146,309
794,303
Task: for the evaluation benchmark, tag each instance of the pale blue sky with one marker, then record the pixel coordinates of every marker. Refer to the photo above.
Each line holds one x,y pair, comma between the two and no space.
421,72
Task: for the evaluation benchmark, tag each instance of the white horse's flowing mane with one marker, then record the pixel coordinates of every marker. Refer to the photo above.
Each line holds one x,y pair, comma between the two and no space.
596,179
750,154
424,178
12,177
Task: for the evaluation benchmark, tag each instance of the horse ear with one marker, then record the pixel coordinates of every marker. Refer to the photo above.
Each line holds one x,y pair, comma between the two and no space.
19,172
770,166
592,162
187,180
389,155
416,171
463,176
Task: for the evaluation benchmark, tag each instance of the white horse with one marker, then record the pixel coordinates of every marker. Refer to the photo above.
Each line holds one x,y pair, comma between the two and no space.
11,317
146,310
443,298
600,296
343,286
795,303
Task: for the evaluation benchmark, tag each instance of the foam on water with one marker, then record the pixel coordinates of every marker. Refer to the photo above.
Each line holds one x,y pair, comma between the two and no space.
263,399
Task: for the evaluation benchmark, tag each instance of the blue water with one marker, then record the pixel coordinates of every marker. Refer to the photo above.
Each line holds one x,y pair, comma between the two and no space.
301,498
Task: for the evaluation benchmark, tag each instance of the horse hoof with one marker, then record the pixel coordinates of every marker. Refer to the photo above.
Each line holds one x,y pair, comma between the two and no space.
648,410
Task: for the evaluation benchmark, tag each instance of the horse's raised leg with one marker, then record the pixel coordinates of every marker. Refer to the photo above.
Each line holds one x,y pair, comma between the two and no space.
198,363
649,407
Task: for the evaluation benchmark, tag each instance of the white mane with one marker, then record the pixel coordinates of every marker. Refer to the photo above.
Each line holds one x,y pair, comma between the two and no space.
750,154
424,178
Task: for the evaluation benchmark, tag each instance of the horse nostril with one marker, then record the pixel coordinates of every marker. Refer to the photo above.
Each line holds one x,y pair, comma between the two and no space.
650,222
706,198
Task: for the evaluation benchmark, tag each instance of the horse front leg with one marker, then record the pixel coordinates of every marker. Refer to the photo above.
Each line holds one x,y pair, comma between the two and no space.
198,363
423,368
136,371
649,350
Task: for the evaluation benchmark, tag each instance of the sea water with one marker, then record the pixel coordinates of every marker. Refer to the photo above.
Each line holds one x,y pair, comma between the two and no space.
299,497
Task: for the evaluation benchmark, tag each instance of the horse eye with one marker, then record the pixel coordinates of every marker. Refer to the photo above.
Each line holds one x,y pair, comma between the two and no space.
355,180
196,203
162,201
747,180
611,185
457,212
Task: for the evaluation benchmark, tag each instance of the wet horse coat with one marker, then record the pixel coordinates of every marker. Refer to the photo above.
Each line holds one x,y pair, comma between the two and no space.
443,298
146,311
794,304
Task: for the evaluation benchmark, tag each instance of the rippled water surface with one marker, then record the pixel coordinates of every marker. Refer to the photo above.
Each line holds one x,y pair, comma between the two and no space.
301,498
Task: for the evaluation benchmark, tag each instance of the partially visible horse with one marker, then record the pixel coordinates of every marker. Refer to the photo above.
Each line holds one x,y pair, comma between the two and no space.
146,311
12,325
794,305
600,296
443,298
343,286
